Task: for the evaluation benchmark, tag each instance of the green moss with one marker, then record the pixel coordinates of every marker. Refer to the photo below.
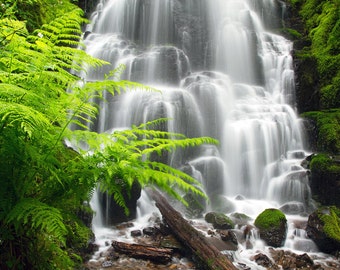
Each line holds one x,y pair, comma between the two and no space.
269,218
322,25
331,219
219,220
292,33
328,129
294,3
324,163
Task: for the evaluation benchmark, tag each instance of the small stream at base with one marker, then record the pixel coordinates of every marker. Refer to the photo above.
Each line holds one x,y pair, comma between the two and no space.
250,246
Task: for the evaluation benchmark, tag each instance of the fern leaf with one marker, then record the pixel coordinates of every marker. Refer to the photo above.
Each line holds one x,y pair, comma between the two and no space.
21,117
38,216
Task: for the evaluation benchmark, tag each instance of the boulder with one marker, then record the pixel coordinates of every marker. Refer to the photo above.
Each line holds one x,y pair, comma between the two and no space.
323,228
219,221
293,208
240,219
272,226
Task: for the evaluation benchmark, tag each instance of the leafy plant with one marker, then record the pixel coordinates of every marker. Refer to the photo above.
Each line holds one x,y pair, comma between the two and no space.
44,183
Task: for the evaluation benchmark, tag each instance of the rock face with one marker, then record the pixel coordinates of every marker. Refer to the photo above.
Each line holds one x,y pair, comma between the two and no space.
272,225
323,229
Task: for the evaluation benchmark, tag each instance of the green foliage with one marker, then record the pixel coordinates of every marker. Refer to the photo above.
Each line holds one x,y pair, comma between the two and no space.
324,163
44,11
328,129
331,220
127,156
322,21
44,183
269,218
292,33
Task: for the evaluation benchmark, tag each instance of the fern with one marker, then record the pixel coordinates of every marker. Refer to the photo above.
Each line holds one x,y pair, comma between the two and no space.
127,157
22,118
38,216
43,182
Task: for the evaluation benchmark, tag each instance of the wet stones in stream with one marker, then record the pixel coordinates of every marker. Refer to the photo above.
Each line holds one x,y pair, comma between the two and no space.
158,238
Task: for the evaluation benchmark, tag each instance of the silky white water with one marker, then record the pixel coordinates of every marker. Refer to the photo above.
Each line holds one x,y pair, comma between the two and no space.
222,72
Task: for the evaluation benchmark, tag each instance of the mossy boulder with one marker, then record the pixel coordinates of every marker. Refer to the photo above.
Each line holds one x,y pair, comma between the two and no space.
323,228
219,221
272,226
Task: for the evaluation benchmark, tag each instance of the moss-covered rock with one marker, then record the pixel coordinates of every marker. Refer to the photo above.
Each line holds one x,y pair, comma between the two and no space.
323,228
325,179
219,220
326,133
272,225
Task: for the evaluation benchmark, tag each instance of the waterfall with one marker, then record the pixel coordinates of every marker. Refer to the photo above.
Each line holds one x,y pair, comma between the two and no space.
222,73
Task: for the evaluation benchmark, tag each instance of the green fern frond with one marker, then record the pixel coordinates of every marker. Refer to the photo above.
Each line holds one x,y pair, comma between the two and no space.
38,216
21,117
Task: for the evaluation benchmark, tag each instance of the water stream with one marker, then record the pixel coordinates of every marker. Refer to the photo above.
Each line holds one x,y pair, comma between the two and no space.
222,72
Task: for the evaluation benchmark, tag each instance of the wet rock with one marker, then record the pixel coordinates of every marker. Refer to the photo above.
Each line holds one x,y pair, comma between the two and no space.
240,219
219,220
136,233
107,264
124,225
229,237
323,229
150,231
239,198
272,225
290,260
293,208
171,242
265,261
221,245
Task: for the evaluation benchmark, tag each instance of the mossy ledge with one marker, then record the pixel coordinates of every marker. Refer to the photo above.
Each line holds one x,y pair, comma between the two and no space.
327,130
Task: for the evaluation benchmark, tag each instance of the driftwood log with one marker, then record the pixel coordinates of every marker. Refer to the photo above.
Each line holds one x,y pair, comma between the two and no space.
160,255
208,255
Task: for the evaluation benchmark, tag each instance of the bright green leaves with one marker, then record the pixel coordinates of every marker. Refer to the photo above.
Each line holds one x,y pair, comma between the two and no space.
131,156
44,183
38,216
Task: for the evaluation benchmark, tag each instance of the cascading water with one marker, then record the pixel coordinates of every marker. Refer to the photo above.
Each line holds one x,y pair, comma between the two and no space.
221,73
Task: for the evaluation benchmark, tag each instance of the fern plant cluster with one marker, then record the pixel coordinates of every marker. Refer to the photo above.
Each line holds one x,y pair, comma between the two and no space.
44,183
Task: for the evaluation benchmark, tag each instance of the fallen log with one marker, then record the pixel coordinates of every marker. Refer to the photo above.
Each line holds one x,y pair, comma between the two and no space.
159,255
208,255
